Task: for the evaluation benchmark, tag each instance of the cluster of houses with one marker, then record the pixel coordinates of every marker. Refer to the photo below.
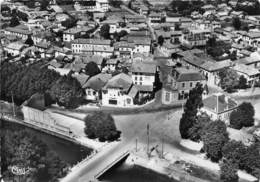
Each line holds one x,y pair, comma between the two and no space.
134,66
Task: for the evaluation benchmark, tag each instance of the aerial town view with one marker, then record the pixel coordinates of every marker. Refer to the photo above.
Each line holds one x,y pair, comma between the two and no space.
130,91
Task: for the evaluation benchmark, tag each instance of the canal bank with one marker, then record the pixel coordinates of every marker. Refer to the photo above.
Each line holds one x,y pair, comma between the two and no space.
68,151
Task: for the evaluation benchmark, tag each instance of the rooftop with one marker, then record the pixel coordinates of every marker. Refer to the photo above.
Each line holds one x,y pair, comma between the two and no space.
219,103
121,81
189,75
92,41
142,67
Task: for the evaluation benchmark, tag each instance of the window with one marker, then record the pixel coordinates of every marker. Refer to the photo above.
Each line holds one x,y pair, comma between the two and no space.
136,78
128,101
190,84
141,78
183,85
89,92
140,83
167,96
113,102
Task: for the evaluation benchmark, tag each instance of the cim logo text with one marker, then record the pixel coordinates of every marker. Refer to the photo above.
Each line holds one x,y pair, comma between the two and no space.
20,170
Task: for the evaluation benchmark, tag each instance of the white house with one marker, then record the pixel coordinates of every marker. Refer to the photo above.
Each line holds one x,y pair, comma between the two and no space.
194,37
14,48
219,106
142,44
124,49
94,86
117,91
22,33
186,80
71,34
251,74
90,45
143,74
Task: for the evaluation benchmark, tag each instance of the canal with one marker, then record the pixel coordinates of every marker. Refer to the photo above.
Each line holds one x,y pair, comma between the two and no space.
72,154
132,173
66,150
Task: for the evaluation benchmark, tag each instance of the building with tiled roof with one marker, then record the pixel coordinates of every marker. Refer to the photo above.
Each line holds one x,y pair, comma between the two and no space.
209,67
17,31
251,74
219,106
14,48
143,75
186,79
116,90
91,45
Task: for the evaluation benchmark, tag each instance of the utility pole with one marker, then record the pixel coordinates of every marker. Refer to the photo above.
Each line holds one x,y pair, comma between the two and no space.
135,145
13,103
162,147
148,140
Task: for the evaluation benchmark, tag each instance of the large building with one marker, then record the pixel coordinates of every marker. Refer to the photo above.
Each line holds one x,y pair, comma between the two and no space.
119,91
219,106
194,38
92,47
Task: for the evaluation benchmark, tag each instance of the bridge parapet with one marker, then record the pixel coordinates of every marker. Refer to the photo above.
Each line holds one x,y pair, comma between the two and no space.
112,164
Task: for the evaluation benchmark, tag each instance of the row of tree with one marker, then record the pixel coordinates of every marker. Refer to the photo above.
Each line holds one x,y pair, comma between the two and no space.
218,147
24,81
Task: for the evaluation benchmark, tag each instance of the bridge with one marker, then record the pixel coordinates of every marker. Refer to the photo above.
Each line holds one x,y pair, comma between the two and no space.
118,159
93,168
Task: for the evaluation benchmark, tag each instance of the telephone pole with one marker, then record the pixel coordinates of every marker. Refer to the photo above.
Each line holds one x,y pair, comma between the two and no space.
148,127
162,147
135,145
13,103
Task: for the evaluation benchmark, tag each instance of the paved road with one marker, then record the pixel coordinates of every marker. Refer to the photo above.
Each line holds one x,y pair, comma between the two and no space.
132,127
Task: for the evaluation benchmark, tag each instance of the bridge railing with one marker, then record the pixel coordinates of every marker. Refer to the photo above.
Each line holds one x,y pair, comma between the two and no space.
111,164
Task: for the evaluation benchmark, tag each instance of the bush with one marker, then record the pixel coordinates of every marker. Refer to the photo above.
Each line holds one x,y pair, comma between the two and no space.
243,116
214,138
233,151
102,126
228,171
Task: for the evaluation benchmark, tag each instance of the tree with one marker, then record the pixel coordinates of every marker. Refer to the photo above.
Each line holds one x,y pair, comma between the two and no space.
119,35
67,92
196,131
228,171
242,82
23,149
236,23
243,116
250,161
104,31
92,69
233,151
214,138
217,48
14,21
69,22
115,3
160,40
228,79
192,105
102,126
44,5
24,81
29,41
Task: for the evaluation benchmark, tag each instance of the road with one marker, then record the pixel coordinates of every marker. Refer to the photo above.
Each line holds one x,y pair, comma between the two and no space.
133,127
